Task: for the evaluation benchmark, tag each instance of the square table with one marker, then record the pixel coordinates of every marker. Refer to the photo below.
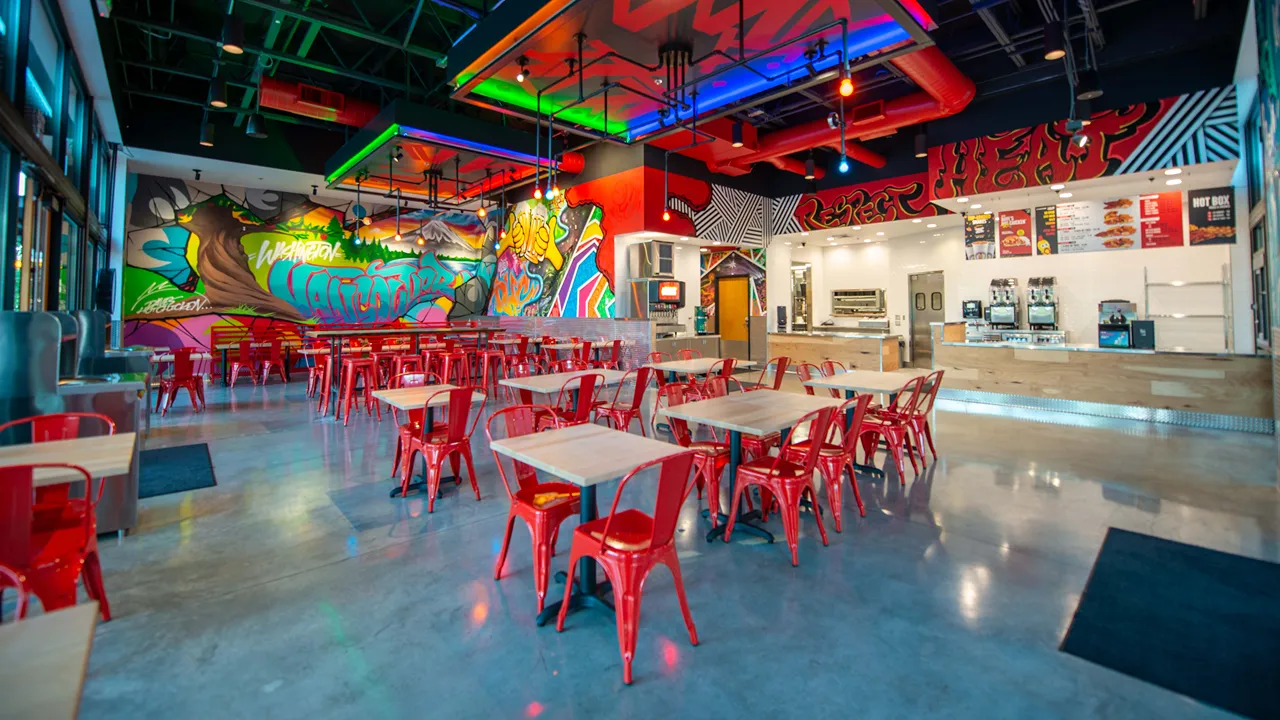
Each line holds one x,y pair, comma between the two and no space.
413,398
868,381
43,661
585,455
759,413
551,384
696,366
103,456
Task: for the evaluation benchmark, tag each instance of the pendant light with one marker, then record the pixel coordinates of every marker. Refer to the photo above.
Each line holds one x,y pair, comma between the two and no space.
809,172
233,35
217,92
1088,88
737,133
206,134
922,143
1054,47
256,128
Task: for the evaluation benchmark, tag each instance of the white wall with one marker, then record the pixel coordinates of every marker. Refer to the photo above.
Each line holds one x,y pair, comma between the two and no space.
689,271
1084,280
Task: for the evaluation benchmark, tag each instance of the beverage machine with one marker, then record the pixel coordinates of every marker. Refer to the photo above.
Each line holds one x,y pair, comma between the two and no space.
1042,304
1002,304
660,301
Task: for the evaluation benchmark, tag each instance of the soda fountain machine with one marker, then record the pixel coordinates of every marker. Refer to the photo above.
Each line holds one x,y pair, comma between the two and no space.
1002,304
1042,304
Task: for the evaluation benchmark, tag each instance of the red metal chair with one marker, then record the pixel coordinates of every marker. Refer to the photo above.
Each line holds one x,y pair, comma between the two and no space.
752,445
542,505
787,481
807,372
720,368
524,368
710,457
403,363
833,367
835,457
521,353
582,353
493,367
548,356
183,377
317,367
659,357
893,425
51,556
52,500
568,365
613,361
457,366
355,370
574,401
245,360
9,578
920,420
687,354
453,440
619,414
628,544
413,422
275,361
780,370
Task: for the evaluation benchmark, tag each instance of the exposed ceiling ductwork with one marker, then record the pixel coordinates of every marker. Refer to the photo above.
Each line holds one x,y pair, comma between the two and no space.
314,102
944,91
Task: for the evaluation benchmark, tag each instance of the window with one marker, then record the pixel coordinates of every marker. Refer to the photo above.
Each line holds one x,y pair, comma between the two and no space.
8,39
935,301
920,301
73,150
1253,154
68,260
44,75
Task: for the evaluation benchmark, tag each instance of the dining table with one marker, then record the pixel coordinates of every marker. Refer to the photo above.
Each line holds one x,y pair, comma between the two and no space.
287,346
852,382
43,660
551,383
416,398
759,413
695,366
584,455
102,456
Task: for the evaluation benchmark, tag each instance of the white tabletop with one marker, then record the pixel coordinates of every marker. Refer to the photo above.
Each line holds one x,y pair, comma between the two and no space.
759,412
551,384
168,357
585,454
412,398
399,331
509,341
697,366
595,345
869,380
43,661
101,456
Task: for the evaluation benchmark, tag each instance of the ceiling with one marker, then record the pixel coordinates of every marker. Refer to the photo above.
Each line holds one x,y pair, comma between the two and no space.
160,58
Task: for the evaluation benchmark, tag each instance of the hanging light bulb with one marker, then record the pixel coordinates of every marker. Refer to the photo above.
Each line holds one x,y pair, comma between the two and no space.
502,234
1054,47
398,238
556,189
666,214
481,212
523,62
846,87
421,241
844,164
537,193
551,193
366,220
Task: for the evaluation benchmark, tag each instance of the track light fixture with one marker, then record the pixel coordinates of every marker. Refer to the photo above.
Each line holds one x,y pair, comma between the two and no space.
217,92
233,35
206,134
922,143
398,154
1080,139
1054,47
737,134
197,172
833,121
256,128
846,87
809,172
523,62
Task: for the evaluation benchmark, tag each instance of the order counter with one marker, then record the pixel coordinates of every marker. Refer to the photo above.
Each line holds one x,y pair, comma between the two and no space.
1214,390
864,351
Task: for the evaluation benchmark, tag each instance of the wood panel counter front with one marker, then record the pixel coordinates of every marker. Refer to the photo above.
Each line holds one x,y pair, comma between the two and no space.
860,351
1221,384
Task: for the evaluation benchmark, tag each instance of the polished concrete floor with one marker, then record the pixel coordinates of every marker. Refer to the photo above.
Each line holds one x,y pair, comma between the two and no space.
297,589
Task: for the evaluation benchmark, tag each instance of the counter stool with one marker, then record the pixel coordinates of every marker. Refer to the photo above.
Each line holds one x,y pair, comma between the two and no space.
353,370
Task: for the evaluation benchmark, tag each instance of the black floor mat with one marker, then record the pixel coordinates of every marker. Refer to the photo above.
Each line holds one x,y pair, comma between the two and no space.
174,469
1196,621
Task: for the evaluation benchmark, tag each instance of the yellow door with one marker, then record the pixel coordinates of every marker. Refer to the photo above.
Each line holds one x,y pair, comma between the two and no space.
735,298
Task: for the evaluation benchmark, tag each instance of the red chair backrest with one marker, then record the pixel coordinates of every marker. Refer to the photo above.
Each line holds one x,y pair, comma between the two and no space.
807,372
276,351
780,369
932,384
458,411
525,368
57,426
830,367
517,420
16,492
586,384
644,376
616,355
673,479
687,354
677,394
723,367
854,427
583,352
720,386
183,366
522,345
909,397
819,422
244,351
659,357
414,378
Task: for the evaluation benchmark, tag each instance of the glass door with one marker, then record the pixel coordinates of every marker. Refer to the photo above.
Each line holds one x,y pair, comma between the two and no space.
38,211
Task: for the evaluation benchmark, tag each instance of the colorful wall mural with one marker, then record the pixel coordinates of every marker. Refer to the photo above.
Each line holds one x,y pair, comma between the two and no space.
200,255
1194,128
899,198
732,262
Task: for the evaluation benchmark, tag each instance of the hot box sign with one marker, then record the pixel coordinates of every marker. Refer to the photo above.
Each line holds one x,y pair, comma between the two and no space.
1015,234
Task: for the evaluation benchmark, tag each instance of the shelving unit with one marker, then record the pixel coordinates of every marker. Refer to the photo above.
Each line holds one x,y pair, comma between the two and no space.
1228,338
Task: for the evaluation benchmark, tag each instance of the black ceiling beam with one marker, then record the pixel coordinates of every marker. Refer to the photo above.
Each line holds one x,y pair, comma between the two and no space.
204,78
337,24
263,52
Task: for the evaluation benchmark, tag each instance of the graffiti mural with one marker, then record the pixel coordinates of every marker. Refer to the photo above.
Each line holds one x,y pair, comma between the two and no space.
899,198
732,262
1194,128
202,255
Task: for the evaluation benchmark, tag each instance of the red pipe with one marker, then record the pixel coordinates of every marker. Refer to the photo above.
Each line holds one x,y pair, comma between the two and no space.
945,91
314,102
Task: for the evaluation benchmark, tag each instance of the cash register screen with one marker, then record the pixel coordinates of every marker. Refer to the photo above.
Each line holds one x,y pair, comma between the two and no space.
1113,338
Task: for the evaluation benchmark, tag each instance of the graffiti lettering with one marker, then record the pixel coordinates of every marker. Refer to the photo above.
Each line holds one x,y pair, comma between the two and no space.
864,204
296,250
157,306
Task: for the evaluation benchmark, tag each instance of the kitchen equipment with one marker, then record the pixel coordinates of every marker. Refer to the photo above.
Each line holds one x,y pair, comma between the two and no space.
1115,319
658,300
782,318
1002,304
1143,334
700,320
971,309
1042,304
801,297
653,259
857,303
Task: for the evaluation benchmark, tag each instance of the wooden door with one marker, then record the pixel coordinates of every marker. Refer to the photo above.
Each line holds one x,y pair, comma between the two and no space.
733,307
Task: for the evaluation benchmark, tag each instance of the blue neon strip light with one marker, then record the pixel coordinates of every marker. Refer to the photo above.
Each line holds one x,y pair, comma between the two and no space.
477,147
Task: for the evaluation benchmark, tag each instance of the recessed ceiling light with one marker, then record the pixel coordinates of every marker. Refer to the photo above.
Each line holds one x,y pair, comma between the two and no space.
866,240
962,200
880,233
857,227
1173,171
804,234
922,242
937,234
684,239
1057,186
917,220
1173,181
975,206
705,250
932,225
786,243
1064,195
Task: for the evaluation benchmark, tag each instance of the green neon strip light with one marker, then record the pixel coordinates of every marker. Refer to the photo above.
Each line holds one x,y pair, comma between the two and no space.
364,152
581,115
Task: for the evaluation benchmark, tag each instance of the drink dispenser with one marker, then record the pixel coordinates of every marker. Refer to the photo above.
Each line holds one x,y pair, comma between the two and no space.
1002,303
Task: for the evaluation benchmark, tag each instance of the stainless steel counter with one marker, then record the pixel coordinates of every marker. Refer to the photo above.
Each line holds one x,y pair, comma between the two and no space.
1079,347
121,382
841,334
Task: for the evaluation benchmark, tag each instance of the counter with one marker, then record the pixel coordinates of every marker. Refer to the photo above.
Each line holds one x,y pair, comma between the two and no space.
1217,390
864,351
124,398
706,345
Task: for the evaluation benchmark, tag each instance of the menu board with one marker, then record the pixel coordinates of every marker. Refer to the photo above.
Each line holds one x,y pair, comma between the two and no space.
1211,215
979,237
1015,233
1091,226
1160,216
1047,230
